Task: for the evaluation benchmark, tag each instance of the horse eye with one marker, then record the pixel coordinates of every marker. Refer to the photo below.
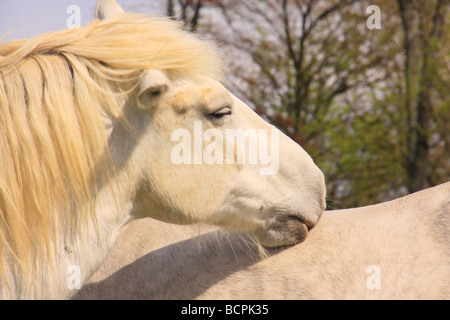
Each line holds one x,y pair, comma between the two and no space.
219,114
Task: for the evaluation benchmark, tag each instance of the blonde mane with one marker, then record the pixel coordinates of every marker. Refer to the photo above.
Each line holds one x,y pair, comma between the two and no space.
54,89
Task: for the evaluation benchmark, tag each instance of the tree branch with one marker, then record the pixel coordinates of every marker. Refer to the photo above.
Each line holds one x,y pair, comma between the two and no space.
287,34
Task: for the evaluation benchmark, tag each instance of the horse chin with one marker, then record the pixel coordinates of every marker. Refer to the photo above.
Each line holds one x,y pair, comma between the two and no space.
284,231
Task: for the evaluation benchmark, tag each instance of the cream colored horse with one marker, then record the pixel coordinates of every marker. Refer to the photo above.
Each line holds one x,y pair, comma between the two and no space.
395,250
87,118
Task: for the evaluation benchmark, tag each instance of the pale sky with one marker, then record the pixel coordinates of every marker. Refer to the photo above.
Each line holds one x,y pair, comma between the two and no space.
28,18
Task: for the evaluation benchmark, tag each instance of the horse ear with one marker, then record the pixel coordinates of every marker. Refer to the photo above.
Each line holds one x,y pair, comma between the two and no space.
153,87
107,9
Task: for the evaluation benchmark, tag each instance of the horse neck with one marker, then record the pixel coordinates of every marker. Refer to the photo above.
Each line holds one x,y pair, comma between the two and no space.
82,256
85,252
80,251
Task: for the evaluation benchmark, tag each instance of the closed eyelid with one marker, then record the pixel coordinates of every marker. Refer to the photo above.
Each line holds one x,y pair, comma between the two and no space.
207,100
225,109
217,102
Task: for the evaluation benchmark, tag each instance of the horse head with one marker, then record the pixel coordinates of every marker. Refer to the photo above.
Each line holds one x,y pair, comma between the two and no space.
205,156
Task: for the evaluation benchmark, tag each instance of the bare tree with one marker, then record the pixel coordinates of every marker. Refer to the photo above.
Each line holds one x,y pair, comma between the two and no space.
420,45
368,105
189,11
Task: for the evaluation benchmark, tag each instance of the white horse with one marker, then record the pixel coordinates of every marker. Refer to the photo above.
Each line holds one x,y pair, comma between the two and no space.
394,250
89,120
